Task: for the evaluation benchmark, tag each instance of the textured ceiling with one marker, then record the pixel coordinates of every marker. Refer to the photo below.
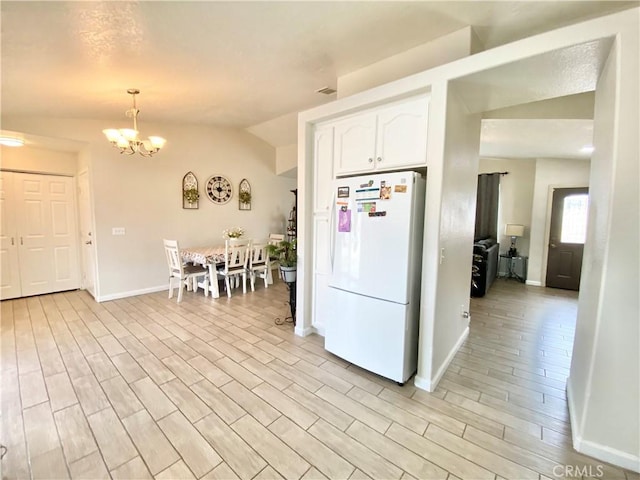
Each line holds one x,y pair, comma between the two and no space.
228,63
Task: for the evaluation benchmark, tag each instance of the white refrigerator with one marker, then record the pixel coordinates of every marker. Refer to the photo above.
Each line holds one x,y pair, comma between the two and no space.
376,263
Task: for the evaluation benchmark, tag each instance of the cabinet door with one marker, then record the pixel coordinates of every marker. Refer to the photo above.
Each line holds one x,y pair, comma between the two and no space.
355,143
402,135
323,165
9,265
321,244
322,310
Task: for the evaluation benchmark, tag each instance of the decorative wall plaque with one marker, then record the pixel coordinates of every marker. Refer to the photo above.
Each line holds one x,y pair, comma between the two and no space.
244,195
190,194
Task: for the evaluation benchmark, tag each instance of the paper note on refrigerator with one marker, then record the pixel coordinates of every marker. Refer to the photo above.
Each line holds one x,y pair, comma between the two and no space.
344,220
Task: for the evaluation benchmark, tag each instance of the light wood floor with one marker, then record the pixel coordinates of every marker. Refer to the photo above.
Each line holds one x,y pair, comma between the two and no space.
143,387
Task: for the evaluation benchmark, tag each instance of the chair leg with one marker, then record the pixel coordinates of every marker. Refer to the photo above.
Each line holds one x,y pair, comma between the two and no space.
170,287
244,282
206,286
252,281
180,290
269,275
226,281
265,275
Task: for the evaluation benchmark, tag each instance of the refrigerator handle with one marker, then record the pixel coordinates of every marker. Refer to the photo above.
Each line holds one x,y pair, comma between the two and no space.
332,233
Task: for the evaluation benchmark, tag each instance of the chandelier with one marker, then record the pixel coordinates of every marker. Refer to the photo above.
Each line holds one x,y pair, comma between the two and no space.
126,139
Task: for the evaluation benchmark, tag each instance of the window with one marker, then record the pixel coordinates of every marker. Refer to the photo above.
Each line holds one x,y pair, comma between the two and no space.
574,218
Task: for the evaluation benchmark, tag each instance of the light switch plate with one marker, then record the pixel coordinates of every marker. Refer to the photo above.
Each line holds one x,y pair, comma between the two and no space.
117,231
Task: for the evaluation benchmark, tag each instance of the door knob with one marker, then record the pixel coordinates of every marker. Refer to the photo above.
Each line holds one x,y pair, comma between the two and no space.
88,242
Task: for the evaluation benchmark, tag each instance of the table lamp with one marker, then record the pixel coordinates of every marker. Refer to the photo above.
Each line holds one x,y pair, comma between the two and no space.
514,231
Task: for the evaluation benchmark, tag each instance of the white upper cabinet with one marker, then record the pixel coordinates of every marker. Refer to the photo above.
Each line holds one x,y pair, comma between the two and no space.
385,138
355,144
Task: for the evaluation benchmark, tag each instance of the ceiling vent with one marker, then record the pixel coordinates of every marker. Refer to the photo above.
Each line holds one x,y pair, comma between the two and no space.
327,91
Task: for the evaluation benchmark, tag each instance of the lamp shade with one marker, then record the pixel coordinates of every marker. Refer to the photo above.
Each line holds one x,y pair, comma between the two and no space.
514,230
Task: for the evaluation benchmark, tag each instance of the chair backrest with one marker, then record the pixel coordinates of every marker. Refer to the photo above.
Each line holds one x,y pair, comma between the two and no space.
258,255
174,260
275,238
235,255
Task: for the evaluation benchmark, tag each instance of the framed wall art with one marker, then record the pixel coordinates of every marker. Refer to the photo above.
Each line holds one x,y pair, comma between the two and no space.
244,195
190,194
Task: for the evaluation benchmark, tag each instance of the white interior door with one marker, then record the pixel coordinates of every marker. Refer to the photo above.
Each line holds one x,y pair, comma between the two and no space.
86,234
9,264
48,250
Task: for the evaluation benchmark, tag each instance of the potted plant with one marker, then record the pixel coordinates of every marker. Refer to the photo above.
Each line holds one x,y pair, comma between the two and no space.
244,196
235,232
191,195
285,253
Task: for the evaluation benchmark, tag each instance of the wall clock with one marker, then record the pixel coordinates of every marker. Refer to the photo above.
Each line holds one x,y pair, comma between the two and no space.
219,189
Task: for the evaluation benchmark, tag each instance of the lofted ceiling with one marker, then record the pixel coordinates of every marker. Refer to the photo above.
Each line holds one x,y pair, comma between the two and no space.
235,64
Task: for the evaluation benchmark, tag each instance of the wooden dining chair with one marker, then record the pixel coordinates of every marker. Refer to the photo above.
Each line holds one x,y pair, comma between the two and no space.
186,274
259,265
274,239
235,264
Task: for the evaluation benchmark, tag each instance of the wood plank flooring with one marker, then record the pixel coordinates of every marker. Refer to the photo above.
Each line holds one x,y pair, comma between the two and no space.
145,388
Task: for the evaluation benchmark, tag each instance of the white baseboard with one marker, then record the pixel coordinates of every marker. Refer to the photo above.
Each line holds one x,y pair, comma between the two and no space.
597,450
610,455
533,283
575,431
132,293
303,332
319,329
430,384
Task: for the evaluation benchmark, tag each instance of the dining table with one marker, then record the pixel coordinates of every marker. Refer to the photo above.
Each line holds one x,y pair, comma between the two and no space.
209,257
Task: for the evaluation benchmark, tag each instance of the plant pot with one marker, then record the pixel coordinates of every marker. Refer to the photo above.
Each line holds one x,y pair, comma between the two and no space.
288,274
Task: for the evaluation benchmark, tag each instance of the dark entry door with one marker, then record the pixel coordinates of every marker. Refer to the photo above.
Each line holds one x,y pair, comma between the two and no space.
566,237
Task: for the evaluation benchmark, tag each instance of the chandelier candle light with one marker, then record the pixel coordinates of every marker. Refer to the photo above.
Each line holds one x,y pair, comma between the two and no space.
126,139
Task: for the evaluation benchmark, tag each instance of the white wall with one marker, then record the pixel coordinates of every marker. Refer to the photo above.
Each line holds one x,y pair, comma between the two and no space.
447,48
143,195
287,160
516,197
549,173
447,268
604,383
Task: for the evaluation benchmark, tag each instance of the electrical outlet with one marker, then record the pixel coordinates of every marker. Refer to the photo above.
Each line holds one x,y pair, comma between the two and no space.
117,231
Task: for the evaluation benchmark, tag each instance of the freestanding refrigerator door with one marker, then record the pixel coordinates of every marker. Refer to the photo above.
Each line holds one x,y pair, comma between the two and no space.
372,235
376,335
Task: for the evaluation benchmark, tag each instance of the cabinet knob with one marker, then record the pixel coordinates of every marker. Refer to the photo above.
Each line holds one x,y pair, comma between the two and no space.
88,242
12,242
379,159
370,160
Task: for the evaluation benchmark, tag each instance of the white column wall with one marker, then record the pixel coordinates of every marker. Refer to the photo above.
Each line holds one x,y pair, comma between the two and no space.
451,176
605,369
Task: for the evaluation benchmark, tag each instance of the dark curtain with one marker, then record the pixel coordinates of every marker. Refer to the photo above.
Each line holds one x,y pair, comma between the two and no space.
487,206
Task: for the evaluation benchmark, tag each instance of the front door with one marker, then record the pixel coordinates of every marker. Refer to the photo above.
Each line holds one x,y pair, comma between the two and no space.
566,237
